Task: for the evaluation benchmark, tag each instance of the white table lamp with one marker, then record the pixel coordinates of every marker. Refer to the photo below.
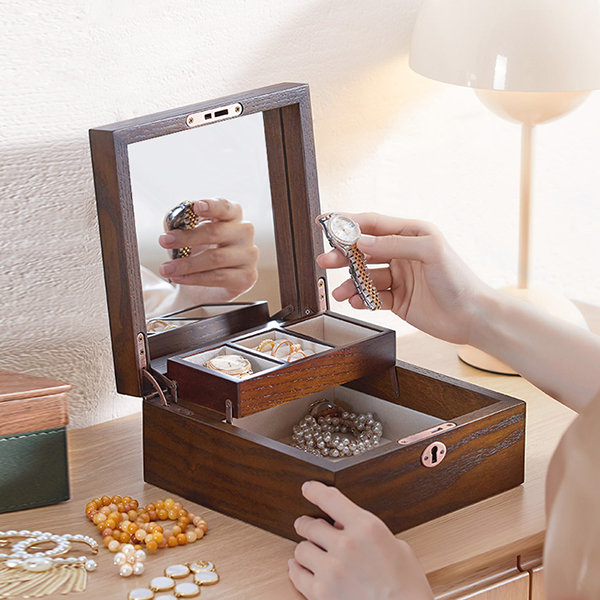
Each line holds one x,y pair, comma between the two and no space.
529,61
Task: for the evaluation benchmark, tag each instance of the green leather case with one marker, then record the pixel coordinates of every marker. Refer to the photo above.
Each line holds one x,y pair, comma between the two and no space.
33,469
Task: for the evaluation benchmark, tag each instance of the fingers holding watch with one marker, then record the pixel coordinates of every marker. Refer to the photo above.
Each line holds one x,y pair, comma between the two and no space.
222,260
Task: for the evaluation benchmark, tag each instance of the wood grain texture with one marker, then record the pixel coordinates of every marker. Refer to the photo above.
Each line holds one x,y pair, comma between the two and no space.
16,386
288,381
34,414
30,403
485,456
212,328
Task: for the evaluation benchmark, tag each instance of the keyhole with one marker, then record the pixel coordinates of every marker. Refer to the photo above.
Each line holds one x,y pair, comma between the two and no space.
433,455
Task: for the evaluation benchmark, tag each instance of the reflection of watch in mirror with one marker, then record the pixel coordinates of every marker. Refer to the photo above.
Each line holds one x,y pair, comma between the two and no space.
181,217
230,364
343,233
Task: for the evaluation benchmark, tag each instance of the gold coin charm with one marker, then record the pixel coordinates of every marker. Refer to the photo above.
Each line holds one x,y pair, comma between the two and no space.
206,577
141,594
186,590
201,565
177,571
162,584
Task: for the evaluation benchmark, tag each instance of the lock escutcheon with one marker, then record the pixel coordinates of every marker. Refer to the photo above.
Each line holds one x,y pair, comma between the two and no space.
433,455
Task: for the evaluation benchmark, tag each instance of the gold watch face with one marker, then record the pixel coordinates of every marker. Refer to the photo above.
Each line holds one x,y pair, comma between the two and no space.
344,230
229,363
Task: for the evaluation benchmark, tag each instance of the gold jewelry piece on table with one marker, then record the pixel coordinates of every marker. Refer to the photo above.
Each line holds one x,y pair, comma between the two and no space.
45,571
206,577
181,217
234,365
186,590
177,571
162,584
141,594
201,565
204,572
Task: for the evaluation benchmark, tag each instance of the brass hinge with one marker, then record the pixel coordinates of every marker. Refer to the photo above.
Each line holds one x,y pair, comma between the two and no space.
168,388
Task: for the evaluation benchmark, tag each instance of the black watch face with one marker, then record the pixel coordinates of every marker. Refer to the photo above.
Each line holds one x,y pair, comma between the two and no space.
344,230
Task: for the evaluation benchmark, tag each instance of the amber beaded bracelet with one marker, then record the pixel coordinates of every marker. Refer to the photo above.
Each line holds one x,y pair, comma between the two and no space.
122,521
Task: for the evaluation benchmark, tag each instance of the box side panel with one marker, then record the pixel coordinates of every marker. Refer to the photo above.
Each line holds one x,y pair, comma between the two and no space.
33,469
484,457
224,471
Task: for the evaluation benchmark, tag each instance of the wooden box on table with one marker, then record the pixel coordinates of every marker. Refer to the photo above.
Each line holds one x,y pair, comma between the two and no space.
445,443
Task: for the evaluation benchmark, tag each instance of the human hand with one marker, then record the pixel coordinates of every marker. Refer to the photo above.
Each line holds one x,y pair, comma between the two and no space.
424,282
358,558
222,263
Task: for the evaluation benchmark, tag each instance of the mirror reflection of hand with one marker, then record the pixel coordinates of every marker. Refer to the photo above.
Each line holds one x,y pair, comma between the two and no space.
423,281
223,259
358,558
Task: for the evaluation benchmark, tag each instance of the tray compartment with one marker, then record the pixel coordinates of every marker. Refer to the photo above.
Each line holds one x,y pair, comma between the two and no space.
398,421
309,347
334,329
259,364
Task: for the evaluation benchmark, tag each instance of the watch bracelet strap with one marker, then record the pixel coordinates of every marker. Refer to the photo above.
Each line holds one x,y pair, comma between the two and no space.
362,279
190,223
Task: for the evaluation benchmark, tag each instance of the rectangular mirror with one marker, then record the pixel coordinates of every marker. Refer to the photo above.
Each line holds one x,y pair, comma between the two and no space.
260,156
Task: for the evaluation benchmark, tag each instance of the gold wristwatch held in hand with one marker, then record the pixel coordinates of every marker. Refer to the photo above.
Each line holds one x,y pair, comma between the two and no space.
343,233
181,217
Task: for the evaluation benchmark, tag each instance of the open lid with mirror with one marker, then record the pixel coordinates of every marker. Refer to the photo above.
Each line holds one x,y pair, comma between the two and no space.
254,148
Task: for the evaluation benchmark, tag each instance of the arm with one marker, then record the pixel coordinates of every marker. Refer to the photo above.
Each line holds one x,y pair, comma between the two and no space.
427,284
561,359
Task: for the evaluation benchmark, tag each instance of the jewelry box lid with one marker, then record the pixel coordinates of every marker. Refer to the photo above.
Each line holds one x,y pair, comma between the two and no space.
282,115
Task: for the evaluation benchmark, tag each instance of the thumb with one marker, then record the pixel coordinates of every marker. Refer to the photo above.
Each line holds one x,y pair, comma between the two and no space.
386,247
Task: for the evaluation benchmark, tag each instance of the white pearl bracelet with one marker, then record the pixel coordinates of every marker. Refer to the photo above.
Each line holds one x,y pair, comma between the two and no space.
331,431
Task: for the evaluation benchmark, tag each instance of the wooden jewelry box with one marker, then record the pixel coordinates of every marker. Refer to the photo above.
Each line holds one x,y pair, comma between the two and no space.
445,443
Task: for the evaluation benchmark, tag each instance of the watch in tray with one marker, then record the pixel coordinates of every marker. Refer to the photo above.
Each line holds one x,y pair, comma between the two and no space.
234,365
343,233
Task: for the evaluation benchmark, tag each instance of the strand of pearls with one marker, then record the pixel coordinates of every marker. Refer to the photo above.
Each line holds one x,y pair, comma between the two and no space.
45,559
338,433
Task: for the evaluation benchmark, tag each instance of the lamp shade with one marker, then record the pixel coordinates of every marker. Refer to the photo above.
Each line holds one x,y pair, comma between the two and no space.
518,45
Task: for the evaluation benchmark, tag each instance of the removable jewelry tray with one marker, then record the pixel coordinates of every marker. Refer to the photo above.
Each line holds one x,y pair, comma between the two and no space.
350,349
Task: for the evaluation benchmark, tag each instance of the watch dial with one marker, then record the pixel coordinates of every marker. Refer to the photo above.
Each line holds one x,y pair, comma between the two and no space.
229,362
345,230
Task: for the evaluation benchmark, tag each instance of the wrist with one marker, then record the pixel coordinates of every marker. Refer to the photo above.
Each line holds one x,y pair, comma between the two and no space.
486,315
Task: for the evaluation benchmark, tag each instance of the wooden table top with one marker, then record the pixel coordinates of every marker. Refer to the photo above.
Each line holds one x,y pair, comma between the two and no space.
252,563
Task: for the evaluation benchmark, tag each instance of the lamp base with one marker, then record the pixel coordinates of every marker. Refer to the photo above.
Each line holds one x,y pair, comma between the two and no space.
541,297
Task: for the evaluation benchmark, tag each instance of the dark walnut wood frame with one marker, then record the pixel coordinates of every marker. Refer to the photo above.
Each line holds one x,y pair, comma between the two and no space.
248,475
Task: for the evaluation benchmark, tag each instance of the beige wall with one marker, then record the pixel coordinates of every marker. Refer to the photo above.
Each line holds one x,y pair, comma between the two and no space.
386,139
